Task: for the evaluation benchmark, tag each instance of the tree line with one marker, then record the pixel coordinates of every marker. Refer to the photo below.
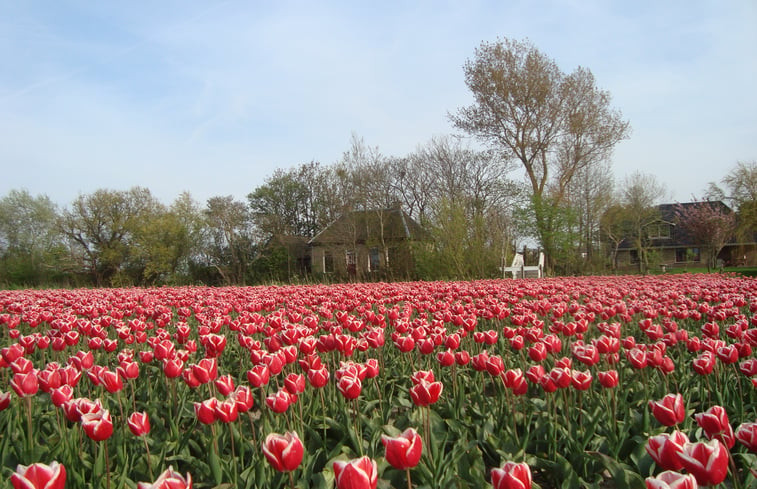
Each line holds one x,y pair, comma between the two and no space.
531,165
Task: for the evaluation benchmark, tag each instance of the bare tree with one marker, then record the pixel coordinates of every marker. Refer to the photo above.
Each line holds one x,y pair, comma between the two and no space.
590,194
469,207
229,224
552,123
640,194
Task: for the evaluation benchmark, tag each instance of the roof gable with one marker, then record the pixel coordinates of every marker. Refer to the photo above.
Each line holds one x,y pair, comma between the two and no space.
368,226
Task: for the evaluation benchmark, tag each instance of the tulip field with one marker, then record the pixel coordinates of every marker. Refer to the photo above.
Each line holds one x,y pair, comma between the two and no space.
604,382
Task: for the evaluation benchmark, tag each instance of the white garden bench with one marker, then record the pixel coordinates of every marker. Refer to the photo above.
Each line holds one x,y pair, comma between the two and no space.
520,270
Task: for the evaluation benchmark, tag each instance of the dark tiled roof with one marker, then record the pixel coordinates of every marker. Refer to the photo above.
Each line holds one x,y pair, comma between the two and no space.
366,226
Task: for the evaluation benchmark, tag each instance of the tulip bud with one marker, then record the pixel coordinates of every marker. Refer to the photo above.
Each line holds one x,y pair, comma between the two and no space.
139,423
97,425
670,410
39,476
168,480
358,473
671,480
512,475
283,452
707,461
404,451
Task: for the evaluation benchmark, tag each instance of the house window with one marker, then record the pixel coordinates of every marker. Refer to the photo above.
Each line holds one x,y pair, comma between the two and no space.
374,260
658,230
634,256
328,262
684,255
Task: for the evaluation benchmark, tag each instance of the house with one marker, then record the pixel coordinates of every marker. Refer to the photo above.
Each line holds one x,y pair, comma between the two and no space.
367,245
282,258
672,246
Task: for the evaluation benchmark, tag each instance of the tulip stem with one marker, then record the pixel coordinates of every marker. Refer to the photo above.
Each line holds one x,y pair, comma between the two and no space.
291,479
323,407
29,441
234,456
149,461
381,403
107,464
734,470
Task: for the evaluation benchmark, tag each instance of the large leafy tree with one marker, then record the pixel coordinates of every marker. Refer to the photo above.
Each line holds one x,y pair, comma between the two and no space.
292,202
103,227
30,245
554,124
740,191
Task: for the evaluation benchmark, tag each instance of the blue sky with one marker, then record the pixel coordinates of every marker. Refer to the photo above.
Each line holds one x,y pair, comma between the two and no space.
212,97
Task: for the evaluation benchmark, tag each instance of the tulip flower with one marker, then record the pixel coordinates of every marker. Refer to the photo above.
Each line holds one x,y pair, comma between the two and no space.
704,363
581,379
714,423
535,373
350,386
462,357
537,352
128,370
495,365
512,476
139,423
97,425
561,376
670,410
671,480
39,476
173,367
169,480
22,365
746,434
5,400
707,461
279,401
425,393
479,361
283,452
358,473
637,358
294,383
224,384
371,368
666,448
205,411
111,381
25,384
259,375
445,358
403,452
205,370
608,379
49,379
243,398
227,410
422,375
318,377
